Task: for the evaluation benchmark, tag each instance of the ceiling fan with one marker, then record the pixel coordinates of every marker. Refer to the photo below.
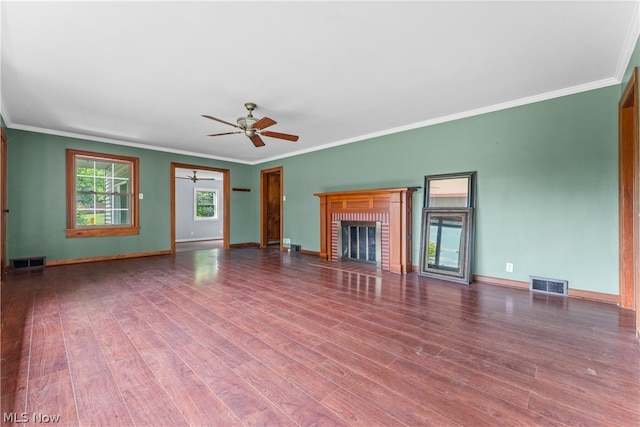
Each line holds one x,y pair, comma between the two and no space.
195,178
253,127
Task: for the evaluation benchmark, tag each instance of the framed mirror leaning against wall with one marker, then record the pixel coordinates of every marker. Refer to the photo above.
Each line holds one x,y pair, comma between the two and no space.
446,249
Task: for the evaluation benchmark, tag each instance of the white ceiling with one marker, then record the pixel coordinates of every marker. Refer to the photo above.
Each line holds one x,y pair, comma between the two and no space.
142,73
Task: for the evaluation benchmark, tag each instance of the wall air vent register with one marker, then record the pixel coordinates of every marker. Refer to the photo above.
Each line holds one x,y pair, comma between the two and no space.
549,286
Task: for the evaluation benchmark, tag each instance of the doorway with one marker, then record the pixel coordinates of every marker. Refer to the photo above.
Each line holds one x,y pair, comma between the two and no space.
628,198
224,212
271,197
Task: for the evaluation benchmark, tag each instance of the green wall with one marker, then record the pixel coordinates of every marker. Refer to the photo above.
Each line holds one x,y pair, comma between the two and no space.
546,185
546,189
633,62
36,196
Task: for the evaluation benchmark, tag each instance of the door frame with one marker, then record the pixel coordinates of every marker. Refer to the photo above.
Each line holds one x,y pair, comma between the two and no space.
628,197
226,186
263,204
3,202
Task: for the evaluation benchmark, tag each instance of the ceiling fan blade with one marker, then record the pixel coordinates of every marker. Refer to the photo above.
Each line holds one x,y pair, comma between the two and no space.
257,141
279,135
220,120
226,133
264,123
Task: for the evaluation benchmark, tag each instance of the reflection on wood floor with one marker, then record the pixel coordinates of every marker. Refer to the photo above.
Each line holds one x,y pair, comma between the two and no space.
200,245
247,336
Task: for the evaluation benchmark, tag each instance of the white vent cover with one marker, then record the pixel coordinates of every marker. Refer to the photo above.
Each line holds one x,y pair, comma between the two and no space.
549,286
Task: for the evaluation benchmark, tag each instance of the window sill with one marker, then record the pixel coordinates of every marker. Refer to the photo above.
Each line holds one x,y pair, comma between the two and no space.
102,231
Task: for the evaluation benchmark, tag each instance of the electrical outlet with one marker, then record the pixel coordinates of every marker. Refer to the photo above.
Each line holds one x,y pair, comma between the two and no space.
509,267
286,241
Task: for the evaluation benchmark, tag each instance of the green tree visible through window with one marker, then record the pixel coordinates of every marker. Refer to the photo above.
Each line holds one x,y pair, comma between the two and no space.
205,204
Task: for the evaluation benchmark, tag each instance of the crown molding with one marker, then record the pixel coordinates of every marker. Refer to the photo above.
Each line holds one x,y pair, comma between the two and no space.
120,142
465,114
431,122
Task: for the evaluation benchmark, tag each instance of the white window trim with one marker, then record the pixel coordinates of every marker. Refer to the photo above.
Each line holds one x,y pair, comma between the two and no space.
195,203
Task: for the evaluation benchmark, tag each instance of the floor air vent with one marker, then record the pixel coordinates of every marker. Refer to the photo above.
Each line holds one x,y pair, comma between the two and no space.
549,286
33,263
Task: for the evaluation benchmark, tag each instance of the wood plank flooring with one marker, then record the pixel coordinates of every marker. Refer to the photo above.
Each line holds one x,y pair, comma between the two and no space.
262,337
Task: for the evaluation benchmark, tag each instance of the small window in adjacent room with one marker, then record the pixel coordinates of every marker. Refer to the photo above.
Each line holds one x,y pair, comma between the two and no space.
102,194
205,204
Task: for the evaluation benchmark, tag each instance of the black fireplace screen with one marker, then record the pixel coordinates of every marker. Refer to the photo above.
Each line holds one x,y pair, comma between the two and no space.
360,241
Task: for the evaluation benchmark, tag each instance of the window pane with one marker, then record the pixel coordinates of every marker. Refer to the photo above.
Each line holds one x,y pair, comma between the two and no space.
85,201
83,217
121,170
99,185
103,167
206,211
120,186
118,202
96,179
116,217
204,197
90,217
84,183
84,166
205,204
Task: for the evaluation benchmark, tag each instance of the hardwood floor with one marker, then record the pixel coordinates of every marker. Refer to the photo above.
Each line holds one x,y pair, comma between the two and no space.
263,337
199,245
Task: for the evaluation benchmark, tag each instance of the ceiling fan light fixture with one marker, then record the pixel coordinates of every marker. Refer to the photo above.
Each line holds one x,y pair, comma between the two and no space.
253,127
246,122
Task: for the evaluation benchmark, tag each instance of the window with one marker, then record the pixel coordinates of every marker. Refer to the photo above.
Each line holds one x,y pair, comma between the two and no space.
205,204
102,194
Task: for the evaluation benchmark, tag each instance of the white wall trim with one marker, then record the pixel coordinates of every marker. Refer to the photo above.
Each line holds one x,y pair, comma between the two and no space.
629,45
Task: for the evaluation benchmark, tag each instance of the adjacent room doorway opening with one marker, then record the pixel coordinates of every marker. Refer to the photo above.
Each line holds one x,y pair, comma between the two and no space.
223,198
271,197
629,197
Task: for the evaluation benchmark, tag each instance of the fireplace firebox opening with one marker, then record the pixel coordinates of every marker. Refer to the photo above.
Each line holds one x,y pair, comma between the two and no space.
360,241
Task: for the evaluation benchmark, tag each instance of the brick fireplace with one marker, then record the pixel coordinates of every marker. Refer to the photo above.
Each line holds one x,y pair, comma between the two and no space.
390,207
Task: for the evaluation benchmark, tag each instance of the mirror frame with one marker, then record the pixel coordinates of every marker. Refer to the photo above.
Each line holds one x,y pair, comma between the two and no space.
464,275
471,176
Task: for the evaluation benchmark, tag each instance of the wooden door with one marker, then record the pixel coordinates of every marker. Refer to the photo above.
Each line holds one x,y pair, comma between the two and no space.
271,207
